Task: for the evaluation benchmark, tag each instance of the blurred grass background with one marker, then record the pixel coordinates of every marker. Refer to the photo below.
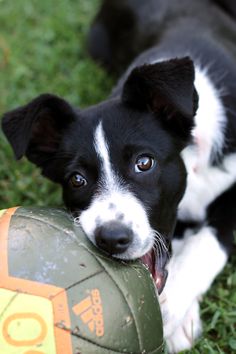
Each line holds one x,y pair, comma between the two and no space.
43,49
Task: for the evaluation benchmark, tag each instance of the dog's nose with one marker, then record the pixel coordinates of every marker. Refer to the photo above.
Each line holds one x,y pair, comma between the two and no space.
113,237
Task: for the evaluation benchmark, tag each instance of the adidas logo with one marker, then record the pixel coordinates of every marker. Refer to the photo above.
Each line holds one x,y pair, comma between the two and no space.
91,312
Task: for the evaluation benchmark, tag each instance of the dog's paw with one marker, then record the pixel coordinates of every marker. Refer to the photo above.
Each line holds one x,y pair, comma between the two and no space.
180,313
187,332
175,305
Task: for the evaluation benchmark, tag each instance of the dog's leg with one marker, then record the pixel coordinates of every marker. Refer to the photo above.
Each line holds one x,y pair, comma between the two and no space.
190,329
196,261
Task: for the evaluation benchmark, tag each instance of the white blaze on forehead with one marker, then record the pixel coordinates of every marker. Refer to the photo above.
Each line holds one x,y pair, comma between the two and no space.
109,180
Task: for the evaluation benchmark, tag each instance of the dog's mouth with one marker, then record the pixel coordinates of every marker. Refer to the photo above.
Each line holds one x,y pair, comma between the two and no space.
155,260
156,265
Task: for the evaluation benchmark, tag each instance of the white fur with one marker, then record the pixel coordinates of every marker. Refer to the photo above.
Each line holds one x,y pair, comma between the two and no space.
210,119
185,335
206,182
113,200
205,185
191,269
109,179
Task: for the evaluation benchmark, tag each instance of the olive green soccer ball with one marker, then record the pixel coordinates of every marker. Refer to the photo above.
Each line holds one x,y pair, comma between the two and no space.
61,295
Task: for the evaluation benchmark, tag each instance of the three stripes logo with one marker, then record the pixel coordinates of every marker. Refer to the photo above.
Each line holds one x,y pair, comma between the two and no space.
91,312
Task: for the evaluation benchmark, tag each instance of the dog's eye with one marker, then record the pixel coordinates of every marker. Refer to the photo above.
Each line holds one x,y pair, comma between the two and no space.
144,163
77,181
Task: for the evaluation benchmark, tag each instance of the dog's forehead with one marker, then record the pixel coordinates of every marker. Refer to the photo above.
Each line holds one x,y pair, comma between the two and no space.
110,112
123,125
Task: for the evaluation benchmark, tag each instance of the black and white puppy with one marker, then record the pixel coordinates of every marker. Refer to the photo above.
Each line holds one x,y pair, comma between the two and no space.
161,148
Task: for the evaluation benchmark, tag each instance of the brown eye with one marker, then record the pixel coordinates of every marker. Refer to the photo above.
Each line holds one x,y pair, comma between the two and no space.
144,163
77,181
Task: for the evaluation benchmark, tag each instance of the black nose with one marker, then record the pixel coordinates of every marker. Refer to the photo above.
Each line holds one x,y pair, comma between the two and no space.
113,237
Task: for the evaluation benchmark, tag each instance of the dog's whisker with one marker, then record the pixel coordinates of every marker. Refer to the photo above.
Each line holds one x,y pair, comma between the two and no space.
158,237
158,251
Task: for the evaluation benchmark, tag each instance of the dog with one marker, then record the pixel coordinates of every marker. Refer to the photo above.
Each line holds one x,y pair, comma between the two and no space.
151,171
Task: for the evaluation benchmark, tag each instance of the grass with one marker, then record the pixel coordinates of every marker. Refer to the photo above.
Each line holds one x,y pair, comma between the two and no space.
43,49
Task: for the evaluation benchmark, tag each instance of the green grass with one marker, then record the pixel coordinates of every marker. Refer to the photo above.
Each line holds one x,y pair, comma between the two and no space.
43,49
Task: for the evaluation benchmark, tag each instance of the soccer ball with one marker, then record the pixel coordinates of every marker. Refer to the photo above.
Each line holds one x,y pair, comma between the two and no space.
61,295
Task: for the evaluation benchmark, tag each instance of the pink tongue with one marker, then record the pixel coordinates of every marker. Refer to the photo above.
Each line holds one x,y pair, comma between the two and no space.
158,273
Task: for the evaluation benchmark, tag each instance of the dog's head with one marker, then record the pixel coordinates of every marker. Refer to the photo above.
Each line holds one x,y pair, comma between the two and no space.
118,162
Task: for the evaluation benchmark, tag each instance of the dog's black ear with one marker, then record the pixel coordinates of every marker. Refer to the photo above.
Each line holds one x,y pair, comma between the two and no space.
166,89
35,129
